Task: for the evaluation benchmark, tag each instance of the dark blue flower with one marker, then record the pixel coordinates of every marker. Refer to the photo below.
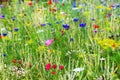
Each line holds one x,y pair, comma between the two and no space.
13,18
93,19
43,24
49,24
4,55
66,26
82,24
71,39
16,29
75,19
74,4
4,34
57,22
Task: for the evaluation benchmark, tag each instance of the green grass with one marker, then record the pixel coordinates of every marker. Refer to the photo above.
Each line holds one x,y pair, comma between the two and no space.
85,51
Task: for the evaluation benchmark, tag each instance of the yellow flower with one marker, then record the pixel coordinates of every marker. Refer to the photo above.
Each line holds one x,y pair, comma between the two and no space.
87,13
41,48
51,51
105,43
109,9
100,7
29,41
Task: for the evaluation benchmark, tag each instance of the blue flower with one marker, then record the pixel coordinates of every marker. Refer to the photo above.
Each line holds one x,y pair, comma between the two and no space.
16,29
93,19
71,39
13,18
66,26
4,34
74,4
82,24
43,24
75,19
4,55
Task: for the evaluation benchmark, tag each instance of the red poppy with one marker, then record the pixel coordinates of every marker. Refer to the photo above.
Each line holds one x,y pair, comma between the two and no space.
48,66
1,37
30,3
61,67
54,66
14,61
95,26
49,2
53,72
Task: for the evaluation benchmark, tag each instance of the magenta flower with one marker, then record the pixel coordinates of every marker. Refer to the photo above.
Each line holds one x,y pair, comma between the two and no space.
49,42
48,66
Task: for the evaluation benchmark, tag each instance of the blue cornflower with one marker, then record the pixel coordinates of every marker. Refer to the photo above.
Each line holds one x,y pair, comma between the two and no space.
93,19
71,39
75,19
13,18
4,55
82,24
66,26
4,34
16,29
43,24
74,4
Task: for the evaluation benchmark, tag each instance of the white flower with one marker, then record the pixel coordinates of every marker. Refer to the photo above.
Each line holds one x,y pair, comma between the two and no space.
102,59
75,8
78,69
39,31
3,29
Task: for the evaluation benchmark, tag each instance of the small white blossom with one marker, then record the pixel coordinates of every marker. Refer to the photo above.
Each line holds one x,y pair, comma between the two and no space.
78,69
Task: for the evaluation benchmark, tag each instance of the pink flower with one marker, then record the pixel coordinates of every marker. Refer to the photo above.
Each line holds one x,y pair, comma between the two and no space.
49,42
48,66
61,67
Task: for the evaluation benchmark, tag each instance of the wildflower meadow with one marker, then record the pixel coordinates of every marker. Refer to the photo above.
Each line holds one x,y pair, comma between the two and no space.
60,40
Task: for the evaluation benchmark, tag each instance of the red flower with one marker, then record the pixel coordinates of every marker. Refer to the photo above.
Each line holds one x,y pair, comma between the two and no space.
95,26
53,73
63,4
30,3
1,37
14,61
20,61
48,66
61,67
54,66
49,2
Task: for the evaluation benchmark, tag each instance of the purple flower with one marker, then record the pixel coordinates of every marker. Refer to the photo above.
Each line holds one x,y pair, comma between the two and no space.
82,24
66,26
2,16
